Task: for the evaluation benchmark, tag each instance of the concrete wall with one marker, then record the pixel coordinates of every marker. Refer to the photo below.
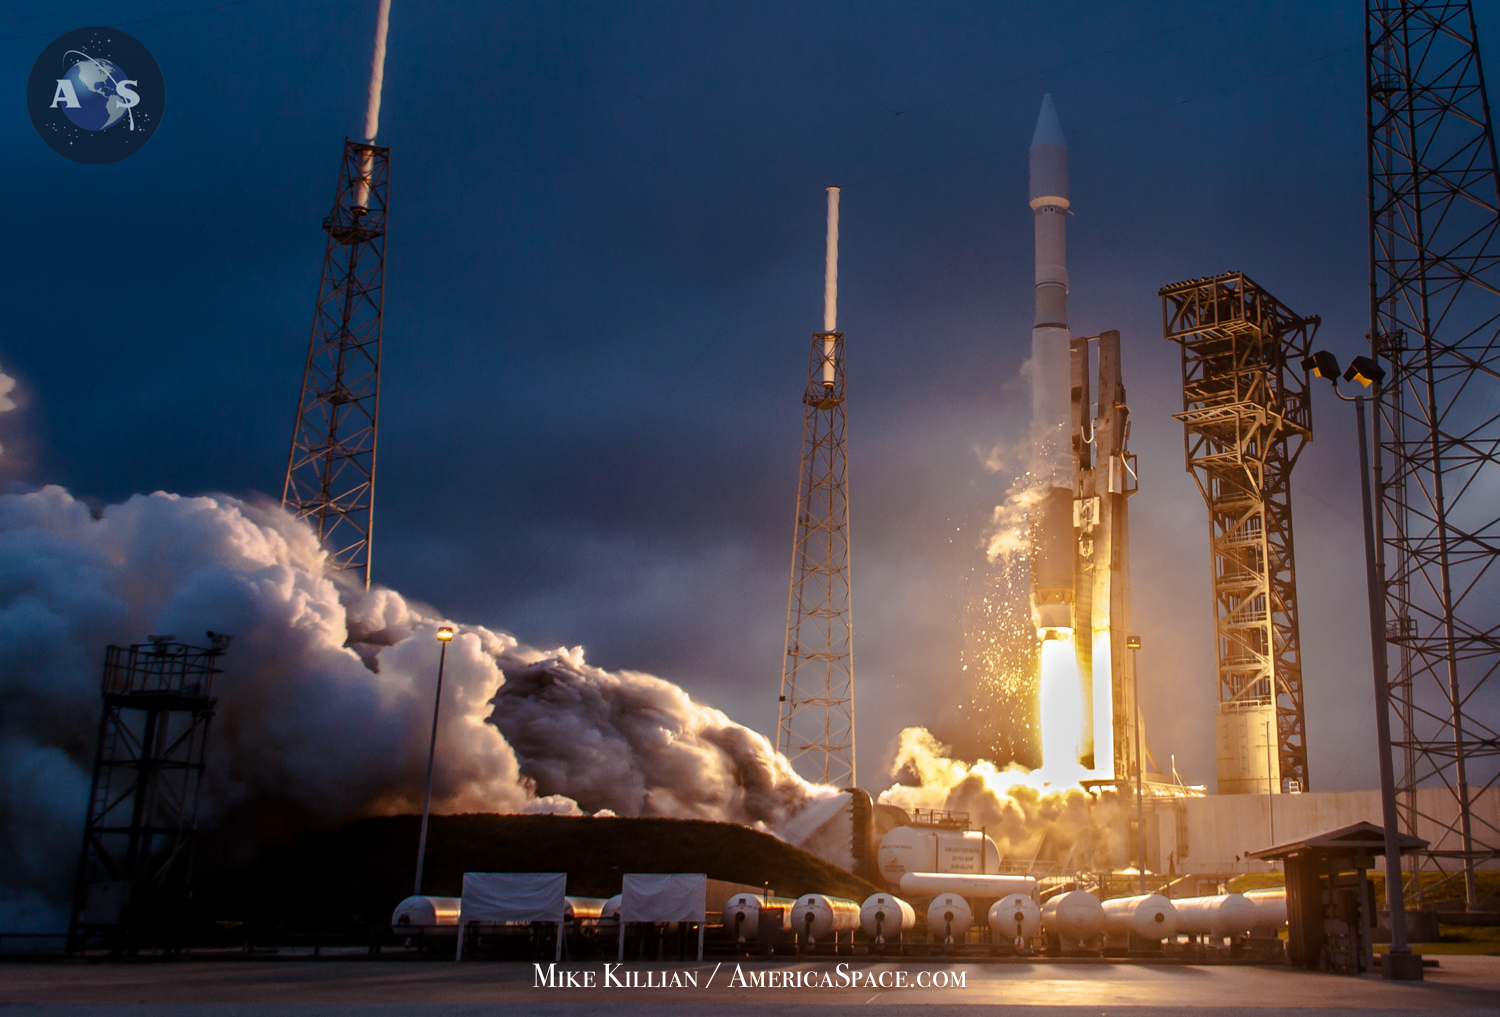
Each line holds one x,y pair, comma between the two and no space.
1212,834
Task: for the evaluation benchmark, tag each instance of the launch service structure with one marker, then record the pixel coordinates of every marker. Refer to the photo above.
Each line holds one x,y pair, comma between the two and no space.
815,714
1247,416
330,471
1080,528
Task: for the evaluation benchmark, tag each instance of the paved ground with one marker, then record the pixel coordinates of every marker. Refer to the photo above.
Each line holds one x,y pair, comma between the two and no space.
334,988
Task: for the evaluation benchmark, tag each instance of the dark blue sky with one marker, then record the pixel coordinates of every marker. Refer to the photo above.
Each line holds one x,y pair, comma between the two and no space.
605,263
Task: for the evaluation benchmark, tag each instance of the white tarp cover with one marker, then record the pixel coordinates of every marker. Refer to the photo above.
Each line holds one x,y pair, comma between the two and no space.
664,897
514,896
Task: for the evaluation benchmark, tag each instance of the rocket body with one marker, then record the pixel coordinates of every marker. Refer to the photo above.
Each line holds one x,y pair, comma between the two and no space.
1053,540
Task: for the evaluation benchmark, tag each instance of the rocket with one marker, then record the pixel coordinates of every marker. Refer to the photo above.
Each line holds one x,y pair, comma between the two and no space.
1053,542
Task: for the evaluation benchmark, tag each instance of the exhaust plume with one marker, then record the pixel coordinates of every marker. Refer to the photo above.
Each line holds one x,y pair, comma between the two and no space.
326,697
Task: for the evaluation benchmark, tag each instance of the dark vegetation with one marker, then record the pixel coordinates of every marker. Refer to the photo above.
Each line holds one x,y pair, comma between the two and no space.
354,877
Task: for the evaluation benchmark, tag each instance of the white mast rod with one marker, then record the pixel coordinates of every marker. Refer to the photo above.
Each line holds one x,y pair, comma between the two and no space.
831,286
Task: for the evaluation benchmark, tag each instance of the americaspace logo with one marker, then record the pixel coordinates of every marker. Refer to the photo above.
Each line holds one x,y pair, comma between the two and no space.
96,95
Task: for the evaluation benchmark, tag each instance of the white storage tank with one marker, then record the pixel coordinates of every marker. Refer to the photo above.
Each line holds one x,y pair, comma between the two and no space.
922,849
818,916
1227,914
1270,909
426,913
1073,917
1015,917
927,884
1149,916
949,918
744,912
885,915
583,908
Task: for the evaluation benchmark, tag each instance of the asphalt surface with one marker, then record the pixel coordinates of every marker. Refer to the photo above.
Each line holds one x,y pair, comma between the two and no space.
334,988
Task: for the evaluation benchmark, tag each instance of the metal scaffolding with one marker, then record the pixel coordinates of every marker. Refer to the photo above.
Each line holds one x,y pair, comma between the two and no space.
1247,416
137,858
330,472
815,718
1435,324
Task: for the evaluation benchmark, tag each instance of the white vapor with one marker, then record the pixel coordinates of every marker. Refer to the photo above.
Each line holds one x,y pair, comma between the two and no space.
326,697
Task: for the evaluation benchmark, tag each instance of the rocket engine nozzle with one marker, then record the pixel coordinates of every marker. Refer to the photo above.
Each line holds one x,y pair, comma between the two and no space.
1052,548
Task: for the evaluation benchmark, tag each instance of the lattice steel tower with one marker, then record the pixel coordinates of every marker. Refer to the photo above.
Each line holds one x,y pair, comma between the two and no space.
1435,326
815,716
137,860
1247,416
330,473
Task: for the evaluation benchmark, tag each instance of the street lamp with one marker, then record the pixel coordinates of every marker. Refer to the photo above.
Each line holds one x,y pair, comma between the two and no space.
1370,375
1133,643
445,635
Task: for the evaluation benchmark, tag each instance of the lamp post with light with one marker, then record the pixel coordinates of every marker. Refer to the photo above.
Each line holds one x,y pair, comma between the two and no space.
445,635
1133,643
1368,373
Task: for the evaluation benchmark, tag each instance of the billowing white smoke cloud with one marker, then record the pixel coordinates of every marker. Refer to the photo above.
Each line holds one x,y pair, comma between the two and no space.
325,704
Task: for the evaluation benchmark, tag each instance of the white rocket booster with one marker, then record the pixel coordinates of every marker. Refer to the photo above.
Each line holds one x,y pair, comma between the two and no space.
1052,539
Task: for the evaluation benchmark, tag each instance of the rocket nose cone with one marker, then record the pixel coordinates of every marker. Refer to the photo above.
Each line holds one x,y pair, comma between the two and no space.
1048,128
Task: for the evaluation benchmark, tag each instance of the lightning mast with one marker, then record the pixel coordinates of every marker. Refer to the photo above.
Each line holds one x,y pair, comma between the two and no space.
815,715
330,471
1434,192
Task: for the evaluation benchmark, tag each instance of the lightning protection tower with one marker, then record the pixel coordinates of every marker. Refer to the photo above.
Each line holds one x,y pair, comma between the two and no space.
137,858
815,716
1435,325
330,471
1247,416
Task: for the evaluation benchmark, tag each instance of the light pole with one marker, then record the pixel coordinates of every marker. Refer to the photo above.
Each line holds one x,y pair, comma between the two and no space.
1368,373
1133,643
445,635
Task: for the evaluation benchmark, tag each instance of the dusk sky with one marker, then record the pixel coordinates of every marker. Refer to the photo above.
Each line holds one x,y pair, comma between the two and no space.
605,263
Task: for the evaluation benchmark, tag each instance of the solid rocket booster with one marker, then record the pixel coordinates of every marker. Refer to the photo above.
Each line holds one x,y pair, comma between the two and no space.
1052,539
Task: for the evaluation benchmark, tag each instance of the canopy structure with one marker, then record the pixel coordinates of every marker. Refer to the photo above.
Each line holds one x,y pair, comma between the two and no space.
664,897
513,897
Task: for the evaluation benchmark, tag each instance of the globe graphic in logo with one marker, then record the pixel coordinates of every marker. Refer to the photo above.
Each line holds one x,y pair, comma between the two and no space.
102,102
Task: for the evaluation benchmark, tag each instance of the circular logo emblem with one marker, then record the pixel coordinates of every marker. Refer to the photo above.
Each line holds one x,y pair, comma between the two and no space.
96,95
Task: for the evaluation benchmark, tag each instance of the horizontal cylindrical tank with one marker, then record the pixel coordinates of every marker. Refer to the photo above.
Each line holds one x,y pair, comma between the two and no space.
611,910
425,913
926,884
1270,908
1149,916
1073,916
1015,917
578,908
925,849
884,914
744,912
949,918
1228,914
816,915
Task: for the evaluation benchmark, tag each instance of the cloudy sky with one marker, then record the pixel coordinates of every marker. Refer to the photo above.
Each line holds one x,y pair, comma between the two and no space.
606,261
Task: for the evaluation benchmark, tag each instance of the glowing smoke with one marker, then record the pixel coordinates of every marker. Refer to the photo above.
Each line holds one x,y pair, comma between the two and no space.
1028,814
324,706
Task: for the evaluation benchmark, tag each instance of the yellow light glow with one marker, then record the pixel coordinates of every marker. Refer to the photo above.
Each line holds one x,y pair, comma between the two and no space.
445,633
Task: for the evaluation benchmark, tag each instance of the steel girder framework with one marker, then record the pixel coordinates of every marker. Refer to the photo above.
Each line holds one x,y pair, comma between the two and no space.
1246,416
815,716
330,473
1435,325
138,839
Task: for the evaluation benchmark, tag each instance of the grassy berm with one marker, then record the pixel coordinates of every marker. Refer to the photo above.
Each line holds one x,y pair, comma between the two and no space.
357,875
